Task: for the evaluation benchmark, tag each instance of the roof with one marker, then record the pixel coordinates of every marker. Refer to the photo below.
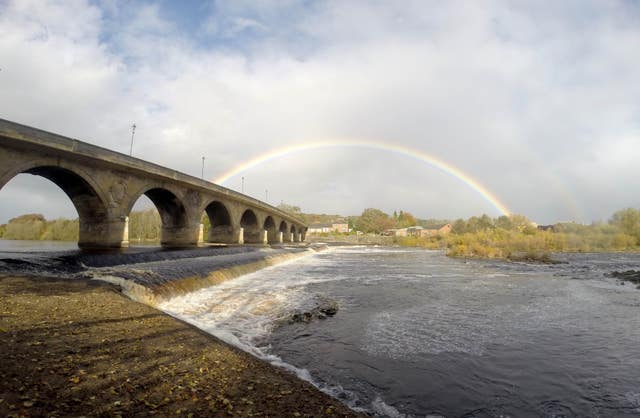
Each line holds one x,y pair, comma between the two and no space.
440,226
322,225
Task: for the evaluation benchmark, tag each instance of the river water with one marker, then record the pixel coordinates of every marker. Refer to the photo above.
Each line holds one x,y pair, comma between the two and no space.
418,333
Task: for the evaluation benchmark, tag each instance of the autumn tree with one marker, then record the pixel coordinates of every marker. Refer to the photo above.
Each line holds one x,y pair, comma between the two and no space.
459,226
294,210
504,222
405,220
374,220
145,225
627,221
29,227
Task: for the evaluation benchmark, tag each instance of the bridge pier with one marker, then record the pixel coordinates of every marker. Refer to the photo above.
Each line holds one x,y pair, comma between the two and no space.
180,236
104,234
255,236
201,234
273,236
226,234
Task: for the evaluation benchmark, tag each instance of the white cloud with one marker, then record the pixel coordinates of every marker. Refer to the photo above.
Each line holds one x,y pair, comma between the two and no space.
522,98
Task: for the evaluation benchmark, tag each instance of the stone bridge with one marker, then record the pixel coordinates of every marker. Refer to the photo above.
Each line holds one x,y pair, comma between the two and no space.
104,185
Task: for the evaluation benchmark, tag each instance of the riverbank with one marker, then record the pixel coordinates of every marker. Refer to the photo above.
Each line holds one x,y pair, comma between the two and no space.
80,347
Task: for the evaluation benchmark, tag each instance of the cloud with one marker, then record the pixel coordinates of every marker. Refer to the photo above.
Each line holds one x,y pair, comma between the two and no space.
538,104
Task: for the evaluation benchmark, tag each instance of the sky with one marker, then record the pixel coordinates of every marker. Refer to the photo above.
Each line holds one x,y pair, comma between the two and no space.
530,104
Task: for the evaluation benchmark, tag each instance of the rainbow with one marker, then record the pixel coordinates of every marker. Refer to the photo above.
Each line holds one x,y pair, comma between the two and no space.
409,152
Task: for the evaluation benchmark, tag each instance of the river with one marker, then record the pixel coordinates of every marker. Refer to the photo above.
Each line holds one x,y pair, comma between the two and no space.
417,333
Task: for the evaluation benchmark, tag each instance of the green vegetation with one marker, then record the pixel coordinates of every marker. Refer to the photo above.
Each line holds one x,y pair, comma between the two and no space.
143,226
511,237
374,221
309,218
516,238
36,227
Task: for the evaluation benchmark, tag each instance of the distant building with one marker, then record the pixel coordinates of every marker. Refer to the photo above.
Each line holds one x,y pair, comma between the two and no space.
438,230
414,231
551,228
418,231
320,228
340,227
395,232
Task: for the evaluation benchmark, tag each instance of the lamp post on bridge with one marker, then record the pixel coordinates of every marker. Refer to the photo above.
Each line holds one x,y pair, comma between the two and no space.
203,168
133,132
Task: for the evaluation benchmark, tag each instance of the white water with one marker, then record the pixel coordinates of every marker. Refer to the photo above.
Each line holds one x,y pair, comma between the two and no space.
244,311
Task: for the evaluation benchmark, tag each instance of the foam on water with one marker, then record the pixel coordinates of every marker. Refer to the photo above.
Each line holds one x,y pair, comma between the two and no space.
244,311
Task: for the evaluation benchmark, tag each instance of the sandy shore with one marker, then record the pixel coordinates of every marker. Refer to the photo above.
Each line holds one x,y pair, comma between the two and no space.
75,347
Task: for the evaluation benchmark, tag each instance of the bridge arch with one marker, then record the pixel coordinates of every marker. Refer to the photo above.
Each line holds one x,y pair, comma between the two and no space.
294,234
171,209
284,229
273,235
178,229
221,223
85,195
303,233
71,180
253,233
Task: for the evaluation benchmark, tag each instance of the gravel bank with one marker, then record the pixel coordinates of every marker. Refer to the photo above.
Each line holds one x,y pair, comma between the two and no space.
79,347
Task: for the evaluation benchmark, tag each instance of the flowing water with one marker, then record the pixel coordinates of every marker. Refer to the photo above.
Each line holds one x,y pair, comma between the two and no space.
417,333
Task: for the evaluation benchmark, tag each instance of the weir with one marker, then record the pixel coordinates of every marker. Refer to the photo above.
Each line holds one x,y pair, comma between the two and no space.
103,186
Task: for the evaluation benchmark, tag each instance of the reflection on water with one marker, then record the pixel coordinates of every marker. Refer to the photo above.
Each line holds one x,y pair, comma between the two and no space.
10,246
28,248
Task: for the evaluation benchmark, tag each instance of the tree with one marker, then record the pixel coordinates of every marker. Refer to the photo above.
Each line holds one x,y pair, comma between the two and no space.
405,220
294,210
504,222
520,222
627,221
145,225
459,226
374,220
485,222
30,227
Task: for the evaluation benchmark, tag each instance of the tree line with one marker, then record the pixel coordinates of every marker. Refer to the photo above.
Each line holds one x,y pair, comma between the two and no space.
144,226
505,236
477,236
